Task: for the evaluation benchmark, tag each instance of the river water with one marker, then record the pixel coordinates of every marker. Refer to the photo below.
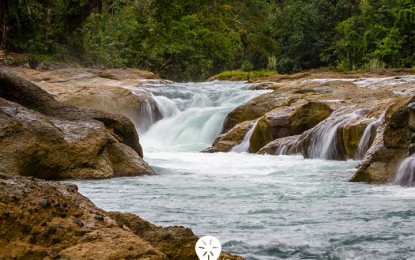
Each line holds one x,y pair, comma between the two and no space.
258,206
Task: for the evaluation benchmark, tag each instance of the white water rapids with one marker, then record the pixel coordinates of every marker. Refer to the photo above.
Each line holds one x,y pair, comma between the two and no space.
259,206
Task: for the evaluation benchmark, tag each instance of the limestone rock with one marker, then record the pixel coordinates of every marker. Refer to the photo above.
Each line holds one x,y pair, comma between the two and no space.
287,121
30,231
68,227
390,147
177,242
255,108
44,138
114,91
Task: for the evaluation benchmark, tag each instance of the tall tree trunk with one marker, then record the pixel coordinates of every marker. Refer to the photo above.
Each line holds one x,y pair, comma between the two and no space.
3,23
48,22
75,20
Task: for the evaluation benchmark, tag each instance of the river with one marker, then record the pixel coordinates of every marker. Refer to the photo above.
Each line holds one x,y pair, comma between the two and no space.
258,206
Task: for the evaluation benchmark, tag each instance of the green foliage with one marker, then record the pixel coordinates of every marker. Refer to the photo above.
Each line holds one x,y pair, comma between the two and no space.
243,75
192,40
378,35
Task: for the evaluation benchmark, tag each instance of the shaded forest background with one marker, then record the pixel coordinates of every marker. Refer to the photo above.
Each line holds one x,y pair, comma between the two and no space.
192,40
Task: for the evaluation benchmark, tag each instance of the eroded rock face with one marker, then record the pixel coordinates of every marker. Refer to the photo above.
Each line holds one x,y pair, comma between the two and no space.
44,138
389,148
114,91
49,220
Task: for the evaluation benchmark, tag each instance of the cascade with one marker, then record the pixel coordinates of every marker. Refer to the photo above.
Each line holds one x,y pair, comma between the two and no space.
289,147
148,112
323,137
244,145
193,114
367,137
405,175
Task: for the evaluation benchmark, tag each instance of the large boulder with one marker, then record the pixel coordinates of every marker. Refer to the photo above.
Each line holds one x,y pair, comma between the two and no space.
115,91
45,138
287,121
50,220
255,108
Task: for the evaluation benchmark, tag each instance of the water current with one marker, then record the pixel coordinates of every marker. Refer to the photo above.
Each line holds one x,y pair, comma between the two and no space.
258,206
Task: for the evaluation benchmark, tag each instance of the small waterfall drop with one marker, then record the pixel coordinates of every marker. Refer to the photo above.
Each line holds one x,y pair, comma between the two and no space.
367,138
244,145
289,147
323,144
193,114
406,172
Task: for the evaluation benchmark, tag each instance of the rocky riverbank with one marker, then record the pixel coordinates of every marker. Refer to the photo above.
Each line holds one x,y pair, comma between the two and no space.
329,116
62,136
45,138
50,220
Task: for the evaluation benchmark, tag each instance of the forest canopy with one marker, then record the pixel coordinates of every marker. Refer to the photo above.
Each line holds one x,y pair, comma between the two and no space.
192,40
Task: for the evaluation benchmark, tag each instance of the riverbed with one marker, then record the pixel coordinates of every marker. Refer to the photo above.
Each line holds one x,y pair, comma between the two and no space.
258,206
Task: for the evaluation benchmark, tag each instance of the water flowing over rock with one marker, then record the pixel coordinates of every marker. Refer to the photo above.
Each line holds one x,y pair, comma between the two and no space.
51,220
44,138
367,138
390,147
326,139
406,173
282,146
246,141
233,137
193,116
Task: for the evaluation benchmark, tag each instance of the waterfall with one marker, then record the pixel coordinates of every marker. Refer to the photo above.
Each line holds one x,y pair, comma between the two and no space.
148,113
244,145
193,113
367,138
323,143
289,146
405,175
147,117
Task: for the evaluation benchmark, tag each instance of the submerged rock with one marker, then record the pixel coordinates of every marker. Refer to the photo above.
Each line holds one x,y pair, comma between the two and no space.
44,138
68,228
